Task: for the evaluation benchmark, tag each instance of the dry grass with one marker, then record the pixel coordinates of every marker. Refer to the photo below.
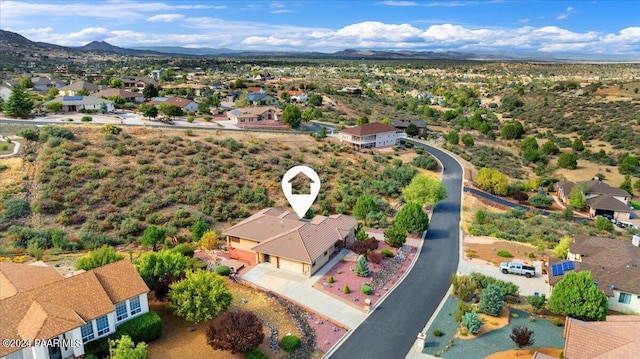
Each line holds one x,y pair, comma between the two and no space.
487,251
586,170
178,342
470,205
12,176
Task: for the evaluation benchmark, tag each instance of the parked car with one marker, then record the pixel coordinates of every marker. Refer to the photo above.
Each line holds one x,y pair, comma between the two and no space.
517,268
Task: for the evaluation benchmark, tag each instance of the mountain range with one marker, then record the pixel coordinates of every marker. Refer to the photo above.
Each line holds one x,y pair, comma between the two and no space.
12,43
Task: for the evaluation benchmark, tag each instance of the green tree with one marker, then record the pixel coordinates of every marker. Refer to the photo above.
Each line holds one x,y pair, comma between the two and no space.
412,130
522,336
603,224
285,97
467,140
15,208
472,322
152,236
492,181
529,149
550,148
626,184
536,301
568,160
576,295
512,130
361,234
453,137
423,189
238,332
149,91
152,266
412,218
200,297
292,116
562,248
491,300
364,205
55,106
577,145
98,258
25,82
116,83
395,236
169,110
576,197
362,266
567,213
463,286
540,201
627,165
315,100
149,111
123,348
118,100
19,103
636,185
198,229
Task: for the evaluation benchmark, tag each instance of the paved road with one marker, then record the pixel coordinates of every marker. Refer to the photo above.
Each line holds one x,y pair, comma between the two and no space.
391,330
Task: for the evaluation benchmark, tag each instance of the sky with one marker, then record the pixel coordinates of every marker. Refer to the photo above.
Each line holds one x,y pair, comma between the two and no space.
587,27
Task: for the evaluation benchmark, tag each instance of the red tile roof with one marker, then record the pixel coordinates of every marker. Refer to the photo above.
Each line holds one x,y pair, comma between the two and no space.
617,337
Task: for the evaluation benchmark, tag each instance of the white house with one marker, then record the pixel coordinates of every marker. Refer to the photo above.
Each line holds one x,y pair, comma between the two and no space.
47,316
371,135
184,103
83,103
298,96
613,265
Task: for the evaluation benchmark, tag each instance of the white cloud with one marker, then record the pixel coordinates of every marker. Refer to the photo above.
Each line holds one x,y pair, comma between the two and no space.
565,14
165,17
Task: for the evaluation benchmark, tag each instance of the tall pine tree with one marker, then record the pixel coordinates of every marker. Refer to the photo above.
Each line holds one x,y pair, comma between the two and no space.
19,103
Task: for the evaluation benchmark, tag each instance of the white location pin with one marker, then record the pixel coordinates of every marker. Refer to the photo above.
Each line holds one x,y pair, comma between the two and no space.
301,202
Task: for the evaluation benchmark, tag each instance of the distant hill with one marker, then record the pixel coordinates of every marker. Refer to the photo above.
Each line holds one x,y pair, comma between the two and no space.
12,44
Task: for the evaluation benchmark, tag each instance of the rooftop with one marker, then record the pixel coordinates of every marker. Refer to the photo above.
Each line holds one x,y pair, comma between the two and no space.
616,337
369,129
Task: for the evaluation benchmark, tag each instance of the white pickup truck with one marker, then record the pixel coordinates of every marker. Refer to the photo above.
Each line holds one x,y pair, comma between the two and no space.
517,268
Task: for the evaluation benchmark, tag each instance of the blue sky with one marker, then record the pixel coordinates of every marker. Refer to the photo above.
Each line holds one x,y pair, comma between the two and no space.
603,27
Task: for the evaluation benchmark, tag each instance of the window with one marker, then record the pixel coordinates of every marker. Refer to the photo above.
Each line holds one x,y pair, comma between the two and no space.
624,298
103,325
235,239
15,355
325,253
134,303
87,332
121,311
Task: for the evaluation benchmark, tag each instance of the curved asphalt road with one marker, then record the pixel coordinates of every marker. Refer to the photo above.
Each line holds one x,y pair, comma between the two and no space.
391,330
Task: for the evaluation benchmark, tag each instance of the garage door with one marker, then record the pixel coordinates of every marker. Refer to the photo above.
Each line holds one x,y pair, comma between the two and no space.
290,265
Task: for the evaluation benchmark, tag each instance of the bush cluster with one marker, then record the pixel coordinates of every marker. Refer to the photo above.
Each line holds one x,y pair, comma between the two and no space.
145,328
289,343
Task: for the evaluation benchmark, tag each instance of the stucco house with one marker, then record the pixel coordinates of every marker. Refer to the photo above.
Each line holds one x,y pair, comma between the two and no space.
58,314
371,135
614,266
138,82
402,124
261,99
43,84
254,114
73,88
129,96
616,337
602,199
297,96
184,103
83,103
281,238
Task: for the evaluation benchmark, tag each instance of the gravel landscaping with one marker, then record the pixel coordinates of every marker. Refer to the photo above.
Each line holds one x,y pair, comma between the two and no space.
547,335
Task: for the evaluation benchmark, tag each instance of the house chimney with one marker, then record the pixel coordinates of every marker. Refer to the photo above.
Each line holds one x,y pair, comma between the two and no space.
636,241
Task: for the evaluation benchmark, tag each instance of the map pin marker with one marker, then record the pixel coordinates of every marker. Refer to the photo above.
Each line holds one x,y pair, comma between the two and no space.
301,202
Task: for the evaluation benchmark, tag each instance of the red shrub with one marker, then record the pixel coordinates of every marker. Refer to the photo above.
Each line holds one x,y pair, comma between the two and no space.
358,247
375,257
371,243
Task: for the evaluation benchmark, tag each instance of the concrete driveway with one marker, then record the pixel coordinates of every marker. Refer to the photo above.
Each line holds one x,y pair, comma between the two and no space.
528,286
299,289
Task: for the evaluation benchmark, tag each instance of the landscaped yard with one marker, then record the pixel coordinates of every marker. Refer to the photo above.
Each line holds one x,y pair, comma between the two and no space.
489,342
388,272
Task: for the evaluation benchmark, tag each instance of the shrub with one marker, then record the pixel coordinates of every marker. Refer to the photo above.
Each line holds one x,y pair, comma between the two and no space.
536,301
375,257
184,249
346,289
532,255
491,300
16,208
238,331
255,353
362,267
603,224
330,280
482,281
505,254
387,253
289,343
223,270
366,289
438,333
145,328
86,119
463,286
472,322
461,310
557,322
531,319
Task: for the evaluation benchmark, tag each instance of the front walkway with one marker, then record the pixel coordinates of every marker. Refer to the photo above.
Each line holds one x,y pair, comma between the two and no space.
299,289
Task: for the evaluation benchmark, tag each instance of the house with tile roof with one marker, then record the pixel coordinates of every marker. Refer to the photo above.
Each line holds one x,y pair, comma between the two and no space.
614,265
616,337
43,84
58,315
279,237
261,99
602,199
75,87
297,96
129,96
184,103
403,123
371,135
138,82
82,103
246,115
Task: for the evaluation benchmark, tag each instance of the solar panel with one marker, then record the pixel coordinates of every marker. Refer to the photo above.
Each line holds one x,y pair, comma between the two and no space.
72,98
568,265
556,269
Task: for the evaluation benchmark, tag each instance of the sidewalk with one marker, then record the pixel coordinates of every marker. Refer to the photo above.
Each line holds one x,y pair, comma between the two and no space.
300,290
